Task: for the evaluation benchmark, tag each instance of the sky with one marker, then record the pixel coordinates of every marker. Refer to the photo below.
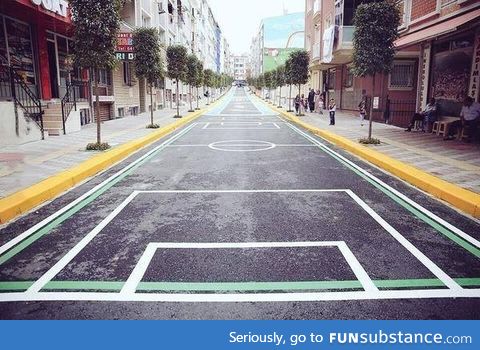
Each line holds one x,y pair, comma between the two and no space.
240,20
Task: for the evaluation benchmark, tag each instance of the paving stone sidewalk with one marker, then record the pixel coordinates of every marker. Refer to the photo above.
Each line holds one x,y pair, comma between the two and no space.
454,161
25,165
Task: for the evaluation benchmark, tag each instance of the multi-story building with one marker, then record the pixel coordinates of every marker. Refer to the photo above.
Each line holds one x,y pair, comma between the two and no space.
276,38
438,56
240,65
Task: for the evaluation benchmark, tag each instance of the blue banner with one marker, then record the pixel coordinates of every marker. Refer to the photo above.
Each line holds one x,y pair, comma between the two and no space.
215,335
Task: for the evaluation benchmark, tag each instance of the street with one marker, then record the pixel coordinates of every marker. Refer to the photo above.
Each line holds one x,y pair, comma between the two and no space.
241,214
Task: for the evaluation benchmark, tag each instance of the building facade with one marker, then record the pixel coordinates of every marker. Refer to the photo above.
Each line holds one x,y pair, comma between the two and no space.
437,56
240,66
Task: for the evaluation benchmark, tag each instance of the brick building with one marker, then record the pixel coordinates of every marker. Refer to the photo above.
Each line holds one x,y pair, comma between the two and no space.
437,56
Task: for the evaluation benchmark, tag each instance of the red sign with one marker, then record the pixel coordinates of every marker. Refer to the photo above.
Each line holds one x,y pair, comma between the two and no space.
124,42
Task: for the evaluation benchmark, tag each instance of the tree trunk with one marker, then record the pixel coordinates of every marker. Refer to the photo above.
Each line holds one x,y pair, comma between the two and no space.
151,104
280,98
290,99
197,99
178,102
191,97
97,107
370,121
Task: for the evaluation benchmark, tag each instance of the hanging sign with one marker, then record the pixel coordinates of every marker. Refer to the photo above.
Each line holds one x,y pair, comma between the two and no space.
57,6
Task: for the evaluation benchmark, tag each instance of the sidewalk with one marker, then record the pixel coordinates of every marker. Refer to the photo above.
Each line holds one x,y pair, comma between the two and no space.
25,165
453,161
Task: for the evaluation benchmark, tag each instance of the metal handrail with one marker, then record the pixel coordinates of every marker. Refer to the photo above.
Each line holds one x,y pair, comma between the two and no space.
76,91
12,85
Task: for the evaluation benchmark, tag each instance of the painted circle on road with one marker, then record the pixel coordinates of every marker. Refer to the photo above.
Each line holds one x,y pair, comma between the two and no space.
241,146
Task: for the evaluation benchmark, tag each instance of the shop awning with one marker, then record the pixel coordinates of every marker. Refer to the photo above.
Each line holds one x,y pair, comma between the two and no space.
437,29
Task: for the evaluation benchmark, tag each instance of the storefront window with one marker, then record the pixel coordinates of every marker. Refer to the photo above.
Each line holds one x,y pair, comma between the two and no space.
20,49
452,62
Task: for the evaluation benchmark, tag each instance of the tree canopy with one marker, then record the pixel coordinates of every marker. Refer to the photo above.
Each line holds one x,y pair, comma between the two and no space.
148,60
177,62
299,61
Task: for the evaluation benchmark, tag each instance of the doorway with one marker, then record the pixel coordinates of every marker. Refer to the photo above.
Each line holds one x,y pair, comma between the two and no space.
53,69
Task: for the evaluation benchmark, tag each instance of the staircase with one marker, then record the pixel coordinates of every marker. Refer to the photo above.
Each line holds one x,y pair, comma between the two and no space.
52,119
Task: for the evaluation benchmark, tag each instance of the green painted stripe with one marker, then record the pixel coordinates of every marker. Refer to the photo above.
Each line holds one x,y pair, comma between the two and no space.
58,221
246,286
236,286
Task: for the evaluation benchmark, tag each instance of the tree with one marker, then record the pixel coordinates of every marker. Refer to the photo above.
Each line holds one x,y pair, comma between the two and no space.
268,81
280,79
289,81
376,29
208,81
177,68
148,60
300,61
96,24
198,77
191,76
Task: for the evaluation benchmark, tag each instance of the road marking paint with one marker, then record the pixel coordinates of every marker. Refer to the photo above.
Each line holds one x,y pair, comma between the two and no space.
142,265
469,243
429,264
61,215
55,269
243,146
241,297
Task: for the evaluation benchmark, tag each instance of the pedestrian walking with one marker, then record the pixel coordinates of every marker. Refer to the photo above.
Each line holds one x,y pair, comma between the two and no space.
303,105
386,113
311,100
297,104
318,102
362,108
332,107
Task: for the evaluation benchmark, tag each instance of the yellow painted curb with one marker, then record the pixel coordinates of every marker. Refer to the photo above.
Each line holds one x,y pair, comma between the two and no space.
467,201
24,200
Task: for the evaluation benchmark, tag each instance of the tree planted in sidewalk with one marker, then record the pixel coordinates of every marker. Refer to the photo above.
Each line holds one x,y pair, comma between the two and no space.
208,82
289,81
376,29
177,68
198,79
268,80
299,62
95,25
191,76
280,80
148,60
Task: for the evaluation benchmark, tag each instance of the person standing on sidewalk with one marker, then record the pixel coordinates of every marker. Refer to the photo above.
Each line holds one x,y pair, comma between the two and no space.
297,104
311,100
362,108
318,102
332,107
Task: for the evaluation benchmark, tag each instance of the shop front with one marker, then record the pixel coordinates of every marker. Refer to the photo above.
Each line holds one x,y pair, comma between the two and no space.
35,41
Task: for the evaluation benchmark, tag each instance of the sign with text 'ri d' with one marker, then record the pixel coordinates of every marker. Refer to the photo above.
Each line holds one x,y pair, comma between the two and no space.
124,51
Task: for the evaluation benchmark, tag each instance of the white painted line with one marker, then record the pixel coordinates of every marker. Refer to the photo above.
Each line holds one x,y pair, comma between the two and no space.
13,242
241,191
136,276
357,268
242,297
139,271
414,204
429,264
238,145
247,145
206,125
67,258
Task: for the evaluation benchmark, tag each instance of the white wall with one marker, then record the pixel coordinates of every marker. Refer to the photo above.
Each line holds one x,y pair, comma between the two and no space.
28,129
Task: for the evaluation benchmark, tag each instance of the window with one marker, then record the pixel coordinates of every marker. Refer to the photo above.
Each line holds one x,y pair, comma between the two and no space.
127,75
331,79
348,78
402,75
104,77
445,3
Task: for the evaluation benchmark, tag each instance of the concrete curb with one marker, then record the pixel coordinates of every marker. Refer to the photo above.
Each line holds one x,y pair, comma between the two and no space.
24,200
466,201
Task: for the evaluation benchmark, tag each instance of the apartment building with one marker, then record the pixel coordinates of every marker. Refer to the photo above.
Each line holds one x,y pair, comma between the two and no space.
240,66
438,56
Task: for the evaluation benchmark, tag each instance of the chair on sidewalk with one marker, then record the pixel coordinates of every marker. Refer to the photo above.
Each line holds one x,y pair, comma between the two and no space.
442,126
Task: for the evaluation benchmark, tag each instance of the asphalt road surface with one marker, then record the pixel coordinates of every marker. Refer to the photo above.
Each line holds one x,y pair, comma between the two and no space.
241,214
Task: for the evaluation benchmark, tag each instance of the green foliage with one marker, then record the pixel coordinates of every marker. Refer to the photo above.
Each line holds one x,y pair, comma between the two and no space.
192,66
177,62
199,75
280,76
369,141
96,24
148,60
298,63
208,78
376,29
288,72
102,146
268,79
